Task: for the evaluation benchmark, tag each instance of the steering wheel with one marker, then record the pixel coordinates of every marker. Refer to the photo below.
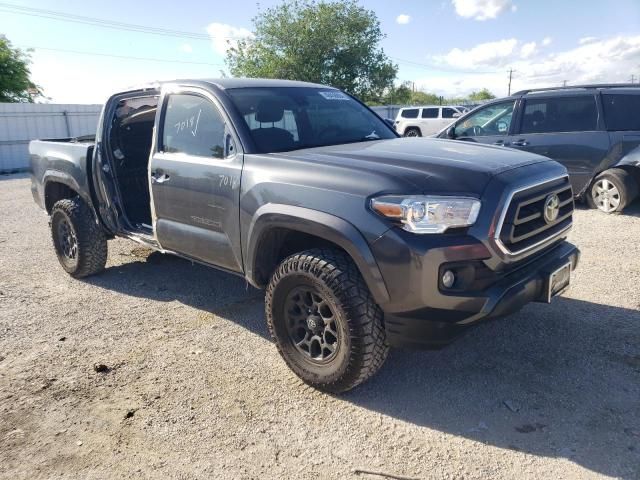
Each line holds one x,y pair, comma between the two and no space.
330,131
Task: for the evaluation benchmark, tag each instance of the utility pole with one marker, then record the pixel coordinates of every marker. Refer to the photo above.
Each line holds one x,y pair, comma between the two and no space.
633,77
510,76
564,83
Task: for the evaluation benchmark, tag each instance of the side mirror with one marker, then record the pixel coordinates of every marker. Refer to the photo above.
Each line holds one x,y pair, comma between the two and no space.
451,132
457,115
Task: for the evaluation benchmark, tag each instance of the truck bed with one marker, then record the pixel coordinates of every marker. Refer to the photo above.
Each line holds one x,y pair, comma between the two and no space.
64,157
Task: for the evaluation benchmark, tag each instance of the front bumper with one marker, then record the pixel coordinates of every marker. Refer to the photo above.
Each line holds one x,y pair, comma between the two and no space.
427,316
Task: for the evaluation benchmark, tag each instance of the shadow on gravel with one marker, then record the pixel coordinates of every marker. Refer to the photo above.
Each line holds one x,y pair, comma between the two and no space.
559,380
166,278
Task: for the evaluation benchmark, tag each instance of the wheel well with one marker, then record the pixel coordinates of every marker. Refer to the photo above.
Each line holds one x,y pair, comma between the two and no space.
55,191
277,244
631,170
413,127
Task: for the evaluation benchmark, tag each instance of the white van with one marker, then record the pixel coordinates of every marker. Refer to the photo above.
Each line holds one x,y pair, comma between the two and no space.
428,120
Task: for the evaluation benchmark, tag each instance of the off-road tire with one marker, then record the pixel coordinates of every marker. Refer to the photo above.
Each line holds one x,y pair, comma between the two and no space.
624,183
91,242
412,132
362,347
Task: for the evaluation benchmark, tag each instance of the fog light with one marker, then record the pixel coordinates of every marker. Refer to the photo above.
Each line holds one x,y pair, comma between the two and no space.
448,279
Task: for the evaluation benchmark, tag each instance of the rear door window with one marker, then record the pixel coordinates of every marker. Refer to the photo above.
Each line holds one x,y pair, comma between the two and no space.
410,113
430,112
621,111
560,114
193,126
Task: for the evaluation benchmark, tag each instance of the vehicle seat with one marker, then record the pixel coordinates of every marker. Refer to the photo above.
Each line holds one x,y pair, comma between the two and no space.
533,122
271,138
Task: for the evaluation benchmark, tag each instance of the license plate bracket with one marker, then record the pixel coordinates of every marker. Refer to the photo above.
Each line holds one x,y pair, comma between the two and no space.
558,281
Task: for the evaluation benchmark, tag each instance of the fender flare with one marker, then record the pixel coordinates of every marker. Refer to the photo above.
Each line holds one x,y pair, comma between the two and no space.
55,176
322,225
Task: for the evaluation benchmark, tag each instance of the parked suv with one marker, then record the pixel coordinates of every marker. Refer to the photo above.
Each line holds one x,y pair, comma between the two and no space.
423,121
593,130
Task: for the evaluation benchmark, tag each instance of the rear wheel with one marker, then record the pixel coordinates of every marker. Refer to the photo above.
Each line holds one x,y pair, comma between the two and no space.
324,321
612,191
412,132
80,244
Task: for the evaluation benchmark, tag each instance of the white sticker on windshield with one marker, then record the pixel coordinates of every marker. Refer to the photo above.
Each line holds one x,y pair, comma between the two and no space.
334,95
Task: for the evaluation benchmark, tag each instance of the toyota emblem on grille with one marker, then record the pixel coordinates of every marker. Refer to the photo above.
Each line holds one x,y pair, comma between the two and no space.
551,208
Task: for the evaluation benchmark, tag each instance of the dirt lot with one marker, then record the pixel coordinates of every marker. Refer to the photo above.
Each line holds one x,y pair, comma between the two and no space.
193,388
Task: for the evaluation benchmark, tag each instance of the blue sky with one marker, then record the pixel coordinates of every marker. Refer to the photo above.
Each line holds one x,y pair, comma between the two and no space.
444,46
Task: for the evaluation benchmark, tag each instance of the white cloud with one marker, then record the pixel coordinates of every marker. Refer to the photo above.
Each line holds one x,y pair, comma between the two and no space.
585,40
528,49
491,53
186,48
482,9
598,61
546,41
225,36
403,19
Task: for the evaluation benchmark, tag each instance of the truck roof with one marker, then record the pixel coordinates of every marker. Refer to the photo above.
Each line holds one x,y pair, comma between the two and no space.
226,83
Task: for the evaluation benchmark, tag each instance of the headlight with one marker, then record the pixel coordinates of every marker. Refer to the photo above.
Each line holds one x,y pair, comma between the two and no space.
428,214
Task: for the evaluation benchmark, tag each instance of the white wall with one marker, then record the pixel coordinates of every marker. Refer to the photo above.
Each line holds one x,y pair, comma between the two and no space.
22,122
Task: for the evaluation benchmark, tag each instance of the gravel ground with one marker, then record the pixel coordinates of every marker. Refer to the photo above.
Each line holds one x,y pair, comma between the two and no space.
193,388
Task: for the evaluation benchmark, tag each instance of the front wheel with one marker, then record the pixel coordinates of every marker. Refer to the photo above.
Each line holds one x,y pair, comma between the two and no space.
80,244
325,323
612,191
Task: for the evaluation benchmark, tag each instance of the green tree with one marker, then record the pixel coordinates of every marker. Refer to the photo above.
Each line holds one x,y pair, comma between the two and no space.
483,94
400,95
335,43
15,82
422,98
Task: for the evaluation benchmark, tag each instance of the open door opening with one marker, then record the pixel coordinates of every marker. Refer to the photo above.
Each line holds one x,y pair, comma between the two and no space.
130,140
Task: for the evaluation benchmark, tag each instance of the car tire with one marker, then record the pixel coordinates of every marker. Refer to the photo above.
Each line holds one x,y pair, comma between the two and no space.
412,132
612,191
324,321
79,242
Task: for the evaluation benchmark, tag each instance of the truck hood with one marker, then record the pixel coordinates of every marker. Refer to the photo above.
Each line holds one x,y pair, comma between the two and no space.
429,165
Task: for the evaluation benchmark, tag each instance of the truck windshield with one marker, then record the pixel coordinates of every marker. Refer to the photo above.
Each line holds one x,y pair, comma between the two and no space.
281,119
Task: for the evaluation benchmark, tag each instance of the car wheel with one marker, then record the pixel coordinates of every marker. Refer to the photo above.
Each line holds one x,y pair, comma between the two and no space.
612,191
324,321
80,244
412,132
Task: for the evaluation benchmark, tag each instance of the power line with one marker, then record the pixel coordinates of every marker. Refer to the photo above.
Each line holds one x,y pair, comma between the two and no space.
99,22
127,57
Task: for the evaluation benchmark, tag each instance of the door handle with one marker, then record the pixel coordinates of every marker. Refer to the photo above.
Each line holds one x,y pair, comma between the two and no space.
501,143
162,178
520,143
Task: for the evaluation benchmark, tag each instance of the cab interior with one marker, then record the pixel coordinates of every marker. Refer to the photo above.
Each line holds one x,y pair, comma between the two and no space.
129,146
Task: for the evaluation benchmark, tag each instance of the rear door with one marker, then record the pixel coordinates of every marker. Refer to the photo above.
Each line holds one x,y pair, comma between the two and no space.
566,127
195,179
430,120
621,108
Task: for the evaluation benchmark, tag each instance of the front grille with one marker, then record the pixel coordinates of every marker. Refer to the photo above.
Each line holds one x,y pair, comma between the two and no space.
525,226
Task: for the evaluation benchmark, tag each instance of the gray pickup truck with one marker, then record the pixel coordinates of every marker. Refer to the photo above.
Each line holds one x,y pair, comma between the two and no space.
362,240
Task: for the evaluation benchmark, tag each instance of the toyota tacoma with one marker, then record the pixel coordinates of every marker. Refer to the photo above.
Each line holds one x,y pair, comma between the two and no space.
361,239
